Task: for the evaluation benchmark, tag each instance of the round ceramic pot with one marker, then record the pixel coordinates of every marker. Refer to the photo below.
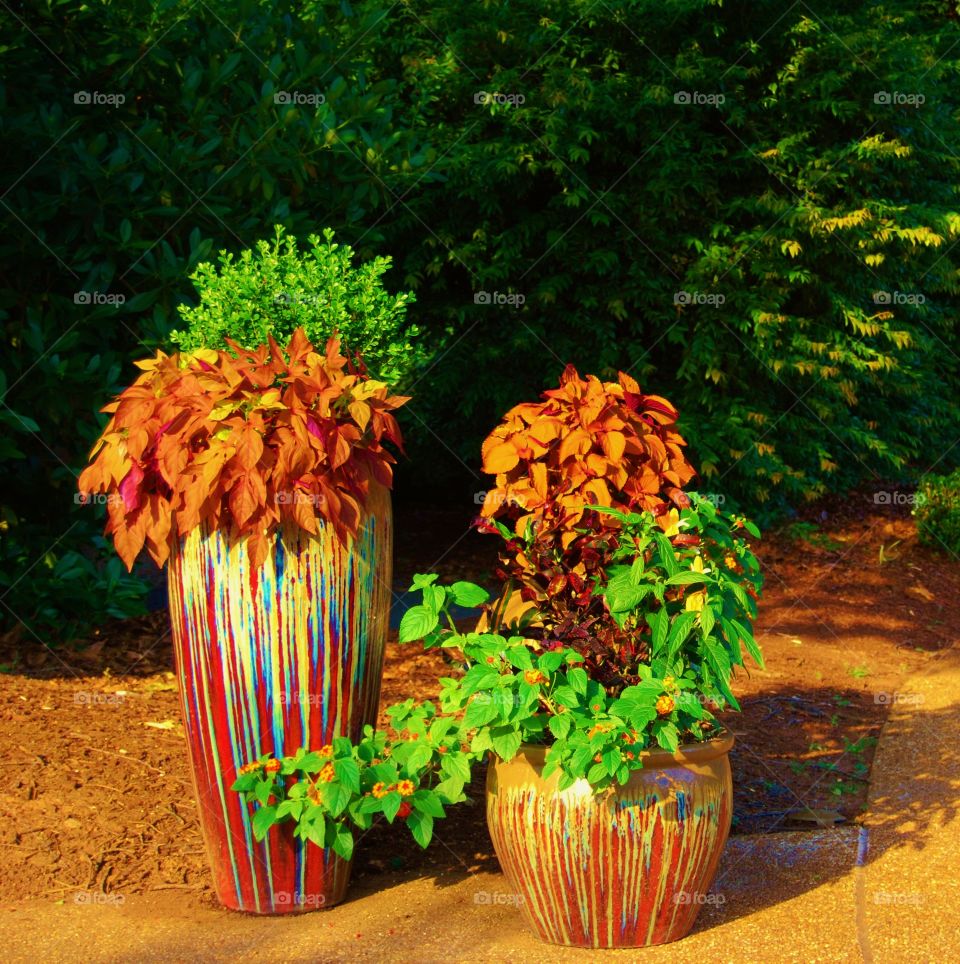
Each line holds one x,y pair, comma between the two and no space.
269,659
628,867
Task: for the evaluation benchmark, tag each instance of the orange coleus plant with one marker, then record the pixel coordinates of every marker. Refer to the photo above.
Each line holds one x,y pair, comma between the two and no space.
242,440
588,442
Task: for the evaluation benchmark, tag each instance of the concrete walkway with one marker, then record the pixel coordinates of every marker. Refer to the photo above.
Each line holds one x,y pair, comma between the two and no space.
909,885
887,892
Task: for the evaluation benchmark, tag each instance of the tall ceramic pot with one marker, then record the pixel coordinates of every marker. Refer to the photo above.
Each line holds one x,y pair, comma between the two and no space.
627,868
270,659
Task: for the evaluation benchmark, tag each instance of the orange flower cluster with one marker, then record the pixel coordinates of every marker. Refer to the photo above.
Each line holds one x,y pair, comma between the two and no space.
327,774
242,440
588,442
665,705
405,788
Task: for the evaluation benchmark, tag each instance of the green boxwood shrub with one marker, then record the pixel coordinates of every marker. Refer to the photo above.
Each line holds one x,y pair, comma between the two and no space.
277,288
937,511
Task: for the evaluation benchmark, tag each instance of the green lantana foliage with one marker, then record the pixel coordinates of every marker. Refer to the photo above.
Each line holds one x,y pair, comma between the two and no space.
277,287
686,592
328,793
689,596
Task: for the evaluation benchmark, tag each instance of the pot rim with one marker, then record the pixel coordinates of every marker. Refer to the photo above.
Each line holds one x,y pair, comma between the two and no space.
687,753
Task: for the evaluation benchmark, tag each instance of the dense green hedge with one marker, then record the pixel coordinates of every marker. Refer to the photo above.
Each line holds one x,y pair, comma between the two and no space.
824,220
744,205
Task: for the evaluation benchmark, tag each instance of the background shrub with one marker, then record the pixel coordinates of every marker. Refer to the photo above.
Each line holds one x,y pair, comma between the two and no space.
746,206
751,209
275,289
937,511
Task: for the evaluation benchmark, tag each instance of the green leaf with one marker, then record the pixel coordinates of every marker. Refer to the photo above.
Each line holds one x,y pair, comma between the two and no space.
665,733
659,624
481,741
370,805
263,819
567,696
719,664
550,662
391,804
426,801
622,593
263,790
560,725
577,678
421,826
310,763
520,657
348,773
667,554
482,710
679,631
316,832
611,760
456,765
468,595
343,842
422,580
434,598
596,773
336,797
506,741
687,578
416,623
451,789
737,633
419,758
290,808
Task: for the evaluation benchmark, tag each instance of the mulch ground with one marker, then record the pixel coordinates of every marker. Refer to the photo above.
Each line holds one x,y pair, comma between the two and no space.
93,775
